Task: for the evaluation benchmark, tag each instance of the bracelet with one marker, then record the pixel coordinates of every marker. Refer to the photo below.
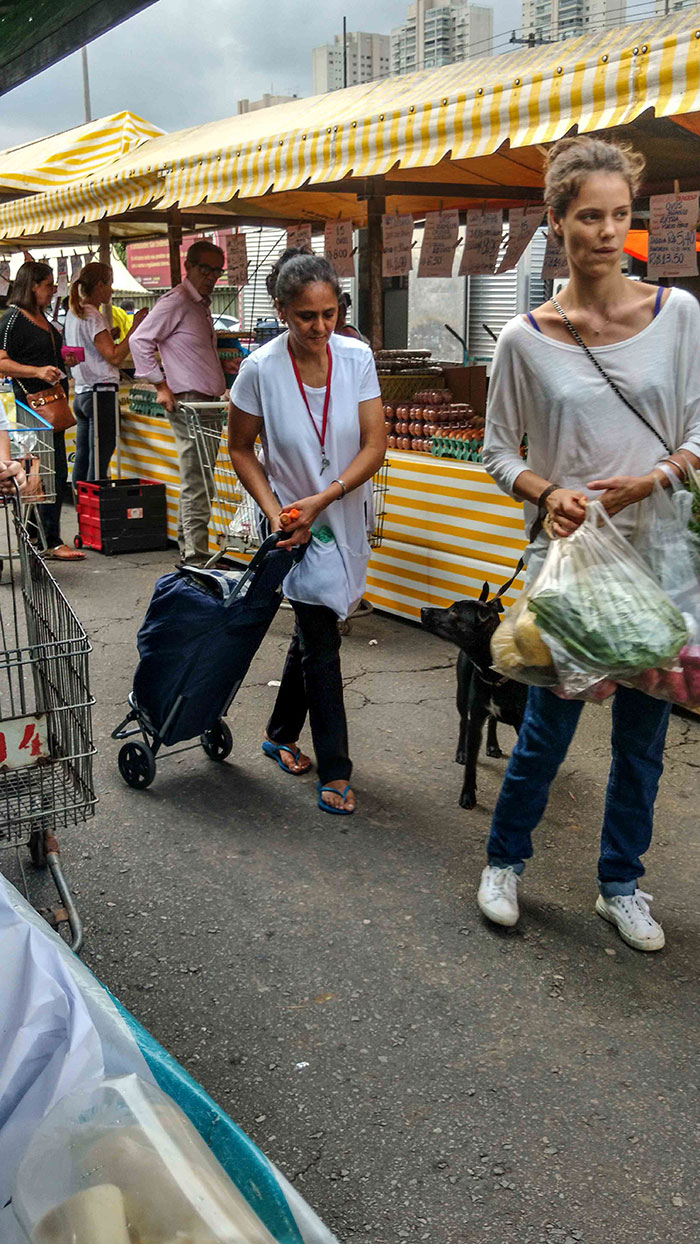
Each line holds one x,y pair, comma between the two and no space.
682,466
342,485
543,496
668,472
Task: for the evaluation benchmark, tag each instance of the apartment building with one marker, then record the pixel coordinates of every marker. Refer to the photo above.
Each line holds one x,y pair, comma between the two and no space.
567,19
365,57
438,33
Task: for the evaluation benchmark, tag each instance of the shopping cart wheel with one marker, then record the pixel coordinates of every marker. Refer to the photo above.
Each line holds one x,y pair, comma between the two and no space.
217,742
78,541
137,765
37,848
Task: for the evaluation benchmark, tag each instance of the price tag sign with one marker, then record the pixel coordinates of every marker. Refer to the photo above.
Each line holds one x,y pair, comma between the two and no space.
554,263
523,223
62,274
673,221
482,243
299,236
4,276
237,259
338,246
76,267
440,239
397,240
23,742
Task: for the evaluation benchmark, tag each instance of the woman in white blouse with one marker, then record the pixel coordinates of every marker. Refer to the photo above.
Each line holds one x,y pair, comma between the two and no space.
314,399
585,441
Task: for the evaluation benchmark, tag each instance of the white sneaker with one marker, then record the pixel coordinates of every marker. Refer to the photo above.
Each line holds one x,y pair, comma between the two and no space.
498,894
633,920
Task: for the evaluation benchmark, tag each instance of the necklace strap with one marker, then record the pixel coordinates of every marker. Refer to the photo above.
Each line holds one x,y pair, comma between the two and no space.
579,341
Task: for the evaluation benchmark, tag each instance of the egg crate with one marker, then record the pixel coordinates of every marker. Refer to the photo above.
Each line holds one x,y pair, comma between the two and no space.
396,388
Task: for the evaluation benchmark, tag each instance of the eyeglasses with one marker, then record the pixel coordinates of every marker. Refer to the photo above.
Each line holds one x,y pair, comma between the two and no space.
205,267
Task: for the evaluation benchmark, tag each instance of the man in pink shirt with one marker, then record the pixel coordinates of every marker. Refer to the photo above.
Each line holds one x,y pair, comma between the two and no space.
180,328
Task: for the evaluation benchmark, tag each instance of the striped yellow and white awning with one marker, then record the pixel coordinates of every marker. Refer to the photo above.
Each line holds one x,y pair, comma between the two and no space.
464,112
77,154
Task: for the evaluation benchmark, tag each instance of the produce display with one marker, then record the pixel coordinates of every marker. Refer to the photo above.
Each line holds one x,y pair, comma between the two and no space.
594,616
435,424
403,372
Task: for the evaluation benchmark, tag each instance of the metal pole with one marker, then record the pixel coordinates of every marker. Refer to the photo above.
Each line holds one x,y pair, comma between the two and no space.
86,85
345,51
376,207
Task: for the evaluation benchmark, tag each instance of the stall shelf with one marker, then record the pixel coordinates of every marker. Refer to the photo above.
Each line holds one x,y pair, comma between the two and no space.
447,527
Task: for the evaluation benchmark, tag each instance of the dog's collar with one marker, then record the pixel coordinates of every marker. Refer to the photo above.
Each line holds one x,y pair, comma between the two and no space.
493,680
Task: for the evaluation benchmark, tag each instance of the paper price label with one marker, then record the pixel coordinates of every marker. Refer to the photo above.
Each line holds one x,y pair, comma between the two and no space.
62,274
482,243
523,223
76,266
397,240
237,259
299,236
673,221
554,264
4,276
338,246
440,239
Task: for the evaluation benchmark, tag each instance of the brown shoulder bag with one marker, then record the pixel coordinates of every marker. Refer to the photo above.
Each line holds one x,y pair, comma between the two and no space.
51,404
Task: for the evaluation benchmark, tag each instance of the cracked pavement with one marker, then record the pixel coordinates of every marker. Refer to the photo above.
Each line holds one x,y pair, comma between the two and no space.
417,1074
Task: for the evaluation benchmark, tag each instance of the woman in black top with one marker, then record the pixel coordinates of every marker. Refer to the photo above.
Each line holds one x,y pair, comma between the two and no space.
30,353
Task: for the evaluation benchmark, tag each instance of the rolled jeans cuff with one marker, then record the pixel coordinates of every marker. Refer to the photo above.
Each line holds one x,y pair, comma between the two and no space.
614,889
518,866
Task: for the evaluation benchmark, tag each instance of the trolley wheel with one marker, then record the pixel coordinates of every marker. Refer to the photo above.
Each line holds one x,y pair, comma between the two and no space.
37,848
78,541
137,765
217,742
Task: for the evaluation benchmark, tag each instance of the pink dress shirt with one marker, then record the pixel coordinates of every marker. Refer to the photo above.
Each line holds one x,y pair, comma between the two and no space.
180,327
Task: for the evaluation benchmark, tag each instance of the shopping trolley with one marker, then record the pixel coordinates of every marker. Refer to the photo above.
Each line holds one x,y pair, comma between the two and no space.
235,518
31,441
46,746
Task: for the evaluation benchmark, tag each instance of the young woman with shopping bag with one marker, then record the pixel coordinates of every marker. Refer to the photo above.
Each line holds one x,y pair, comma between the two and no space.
605,382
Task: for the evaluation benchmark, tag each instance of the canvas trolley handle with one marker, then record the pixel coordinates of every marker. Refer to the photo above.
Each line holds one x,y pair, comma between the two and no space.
256,564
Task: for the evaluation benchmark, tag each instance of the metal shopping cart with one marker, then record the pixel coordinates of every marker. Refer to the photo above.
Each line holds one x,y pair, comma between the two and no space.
234,515
46,746
31,440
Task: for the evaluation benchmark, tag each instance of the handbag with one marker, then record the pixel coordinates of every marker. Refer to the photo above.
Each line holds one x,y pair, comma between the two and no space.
579,341
52,402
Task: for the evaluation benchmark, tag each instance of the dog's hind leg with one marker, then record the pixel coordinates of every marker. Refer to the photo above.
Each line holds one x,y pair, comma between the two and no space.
465,673
477,717
492,748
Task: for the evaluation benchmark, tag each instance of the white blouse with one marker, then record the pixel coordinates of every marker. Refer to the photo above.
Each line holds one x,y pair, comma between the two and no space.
331,572
577,428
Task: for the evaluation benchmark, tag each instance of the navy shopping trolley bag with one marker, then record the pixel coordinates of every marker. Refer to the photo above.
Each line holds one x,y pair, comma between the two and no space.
198,638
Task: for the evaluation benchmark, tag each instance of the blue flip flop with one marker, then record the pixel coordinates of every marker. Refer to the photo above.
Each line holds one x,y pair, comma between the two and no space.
327,807
273,750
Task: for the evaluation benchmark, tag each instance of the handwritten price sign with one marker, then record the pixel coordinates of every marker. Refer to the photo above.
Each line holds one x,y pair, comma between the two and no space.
237,259
397,240
554,263
299,236
338,246
482,243
439,243
673,221
523,223
23,742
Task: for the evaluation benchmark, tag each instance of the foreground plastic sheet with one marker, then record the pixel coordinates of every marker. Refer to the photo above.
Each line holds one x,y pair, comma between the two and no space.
60,1030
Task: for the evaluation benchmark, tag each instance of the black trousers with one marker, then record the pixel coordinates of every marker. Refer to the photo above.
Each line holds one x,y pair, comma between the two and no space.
312,683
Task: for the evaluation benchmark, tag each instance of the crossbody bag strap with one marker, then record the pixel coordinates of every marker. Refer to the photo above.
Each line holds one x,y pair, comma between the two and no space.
579,341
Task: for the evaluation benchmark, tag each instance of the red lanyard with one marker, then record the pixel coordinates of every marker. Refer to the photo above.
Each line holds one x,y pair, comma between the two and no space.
324,421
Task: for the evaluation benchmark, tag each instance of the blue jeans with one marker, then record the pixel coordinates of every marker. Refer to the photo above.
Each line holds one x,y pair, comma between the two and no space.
639,725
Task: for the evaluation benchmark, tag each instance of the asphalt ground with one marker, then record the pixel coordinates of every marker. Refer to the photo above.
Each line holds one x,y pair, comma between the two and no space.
417,1073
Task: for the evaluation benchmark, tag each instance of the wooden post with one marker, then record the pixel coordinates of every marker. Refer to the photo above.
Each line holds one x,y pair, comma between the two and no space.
375,210
174,244
105,257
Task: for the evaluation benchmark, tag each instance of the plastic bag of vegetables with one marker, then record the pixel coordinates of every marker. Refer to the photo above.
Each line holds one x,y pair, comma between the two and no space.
666,541
594,616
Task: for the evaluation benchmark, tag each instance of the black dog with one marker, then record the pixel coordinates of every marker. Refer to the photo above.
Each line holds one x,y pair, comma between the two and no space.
482,695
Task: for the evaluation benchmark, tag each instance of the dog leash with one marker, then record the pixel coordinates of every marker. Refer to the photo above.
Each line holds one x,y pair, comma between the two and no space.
506,586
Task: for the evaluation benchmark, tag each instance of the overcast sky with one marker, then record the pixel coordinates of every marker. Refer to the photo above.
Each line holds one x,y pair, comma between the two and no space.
184,62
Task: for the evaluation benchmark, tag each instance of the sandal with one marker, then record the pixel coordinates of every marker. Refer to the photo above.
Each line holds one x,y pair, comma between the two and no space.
63,553
327,807
273,751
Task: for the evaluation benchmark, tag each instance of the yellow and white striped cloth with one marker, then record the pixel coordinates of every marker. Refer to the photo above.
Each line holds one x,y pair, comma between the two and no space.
465,111
80,153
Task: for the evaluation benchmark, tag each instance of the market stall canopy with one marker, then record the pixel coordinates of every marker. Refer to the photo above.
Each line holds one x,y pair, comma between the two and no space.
36,33
61,159
462,134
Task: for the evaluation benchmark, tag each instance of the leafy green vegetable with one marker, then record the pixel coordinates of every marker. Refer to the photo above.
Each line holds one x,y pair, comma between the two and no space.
613,621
